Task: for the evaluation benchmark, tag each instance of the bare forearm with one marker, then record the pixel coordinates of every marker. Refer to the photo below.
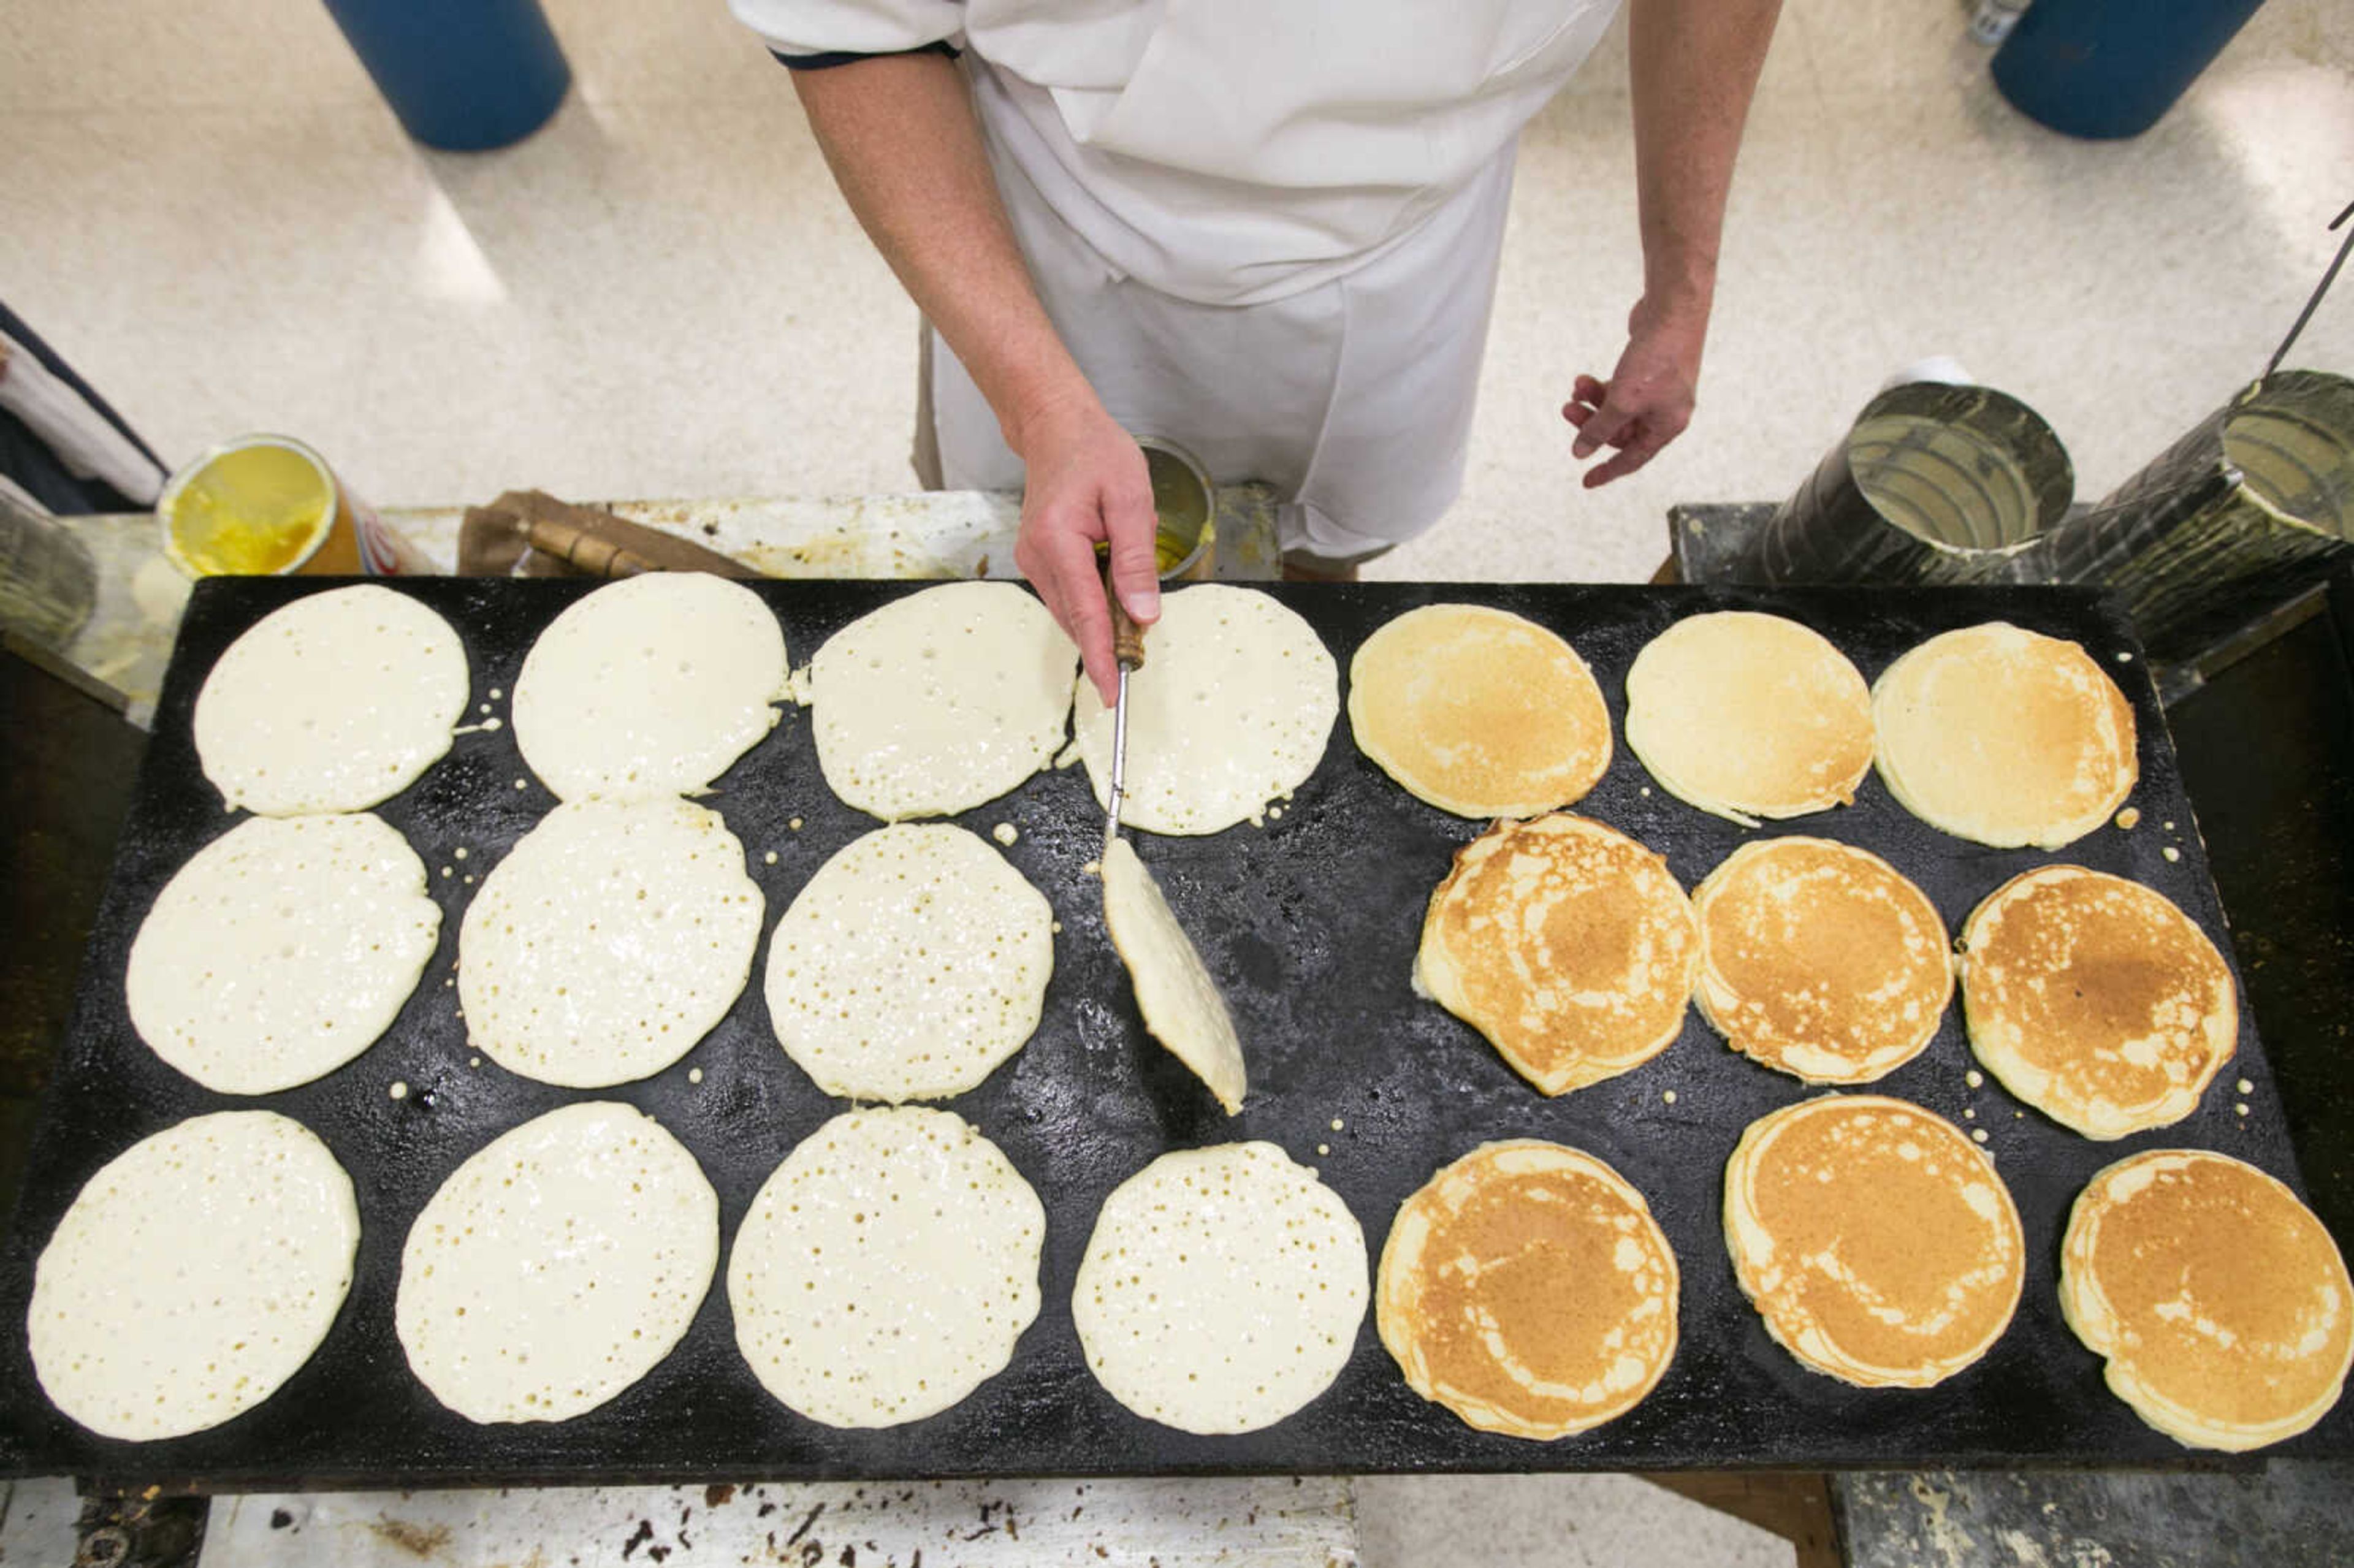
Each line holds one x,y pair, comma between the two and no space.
1694,66
899,133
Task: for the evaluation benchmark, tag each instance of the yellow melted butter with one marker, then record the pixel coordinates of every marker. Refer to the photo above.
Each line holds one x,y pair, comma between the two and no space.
1168,549
249,512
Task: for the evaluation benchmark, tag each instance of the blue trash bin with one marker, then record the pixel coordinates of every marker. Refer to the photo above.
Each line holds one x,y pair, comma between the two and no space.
463,74
2106,69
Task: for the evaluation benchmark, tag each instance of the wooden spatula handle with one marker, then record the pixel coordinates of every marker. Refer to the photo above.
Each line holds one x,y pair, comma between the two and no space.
1126,637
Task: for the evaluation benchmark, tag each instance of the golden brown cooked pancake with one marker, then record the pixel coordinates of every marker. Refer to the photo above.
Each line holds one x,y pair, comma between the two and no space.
1526,1289
1749,715
2004,736
2221,1304
1875,1240
1478,712
1567,944
1819,960
2095,1001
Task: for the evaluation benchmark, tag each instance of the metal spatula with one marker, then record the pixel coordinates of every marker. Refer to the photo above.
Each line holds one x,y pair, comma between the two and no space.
1127,648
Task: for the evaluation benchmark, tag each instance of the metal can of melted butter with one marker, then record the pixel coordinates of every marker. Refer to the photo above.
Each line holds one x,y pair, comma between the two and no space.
1185,511
266,505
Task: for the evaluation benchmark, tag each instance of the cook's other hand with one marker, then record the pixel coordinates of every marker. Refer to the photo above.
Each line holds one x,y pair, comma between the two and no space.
1692,66
1648,400
1085,482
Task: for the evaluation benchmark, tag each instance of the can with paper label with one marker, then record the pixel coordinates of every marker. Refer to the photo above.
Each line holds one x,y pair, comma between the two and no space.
270,506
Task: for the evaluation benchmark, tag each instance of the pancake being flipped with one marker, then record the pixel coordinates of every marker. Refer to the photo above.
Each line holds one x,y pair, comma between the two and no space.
648,686
941,701
1567,944
1180,1001
1233,709
2222,1303
1478,712
333,703
1526,1289
2004,736
1875,1240
1748,715
2096,1000
1819,959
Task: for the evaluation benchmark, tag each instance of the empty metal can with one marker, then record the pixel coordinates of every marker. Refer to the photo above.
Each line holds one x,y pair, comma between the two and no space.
1933,484
2248,509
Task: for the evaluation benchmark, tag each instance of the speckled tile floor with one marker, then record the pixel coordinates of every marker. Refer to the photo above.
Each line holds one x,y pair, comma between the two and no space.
207,209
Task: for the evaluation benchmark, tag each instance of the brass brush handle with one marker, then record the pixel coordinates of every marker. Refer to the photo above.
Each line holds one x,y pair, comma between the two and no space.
1126,637
583,550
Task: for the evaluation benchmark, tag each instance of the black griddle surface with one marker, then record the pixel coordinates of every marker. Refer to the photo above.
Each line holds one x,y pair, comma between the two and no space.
1310,924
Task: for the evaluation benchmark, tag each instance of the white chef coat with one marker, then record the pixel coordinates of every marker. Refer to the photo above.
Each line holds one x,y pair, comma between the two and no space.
1267,229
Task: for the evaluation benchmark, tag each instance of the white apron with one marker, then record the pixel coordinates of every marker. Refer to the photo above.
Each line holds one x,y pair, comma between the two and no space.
1267,229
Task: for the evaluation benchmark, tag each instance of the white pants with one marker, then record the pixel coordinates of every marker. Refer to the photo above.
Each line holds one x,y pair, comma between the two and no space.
1352,399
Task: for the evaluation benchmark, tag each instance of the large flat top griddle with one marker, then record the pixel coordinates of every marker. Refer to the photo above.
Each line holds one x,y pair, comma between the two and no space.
1310,925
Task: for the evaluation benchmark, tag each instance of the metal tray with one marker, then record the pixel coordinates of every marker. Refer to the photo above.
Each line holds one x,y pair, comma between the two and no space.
1310,924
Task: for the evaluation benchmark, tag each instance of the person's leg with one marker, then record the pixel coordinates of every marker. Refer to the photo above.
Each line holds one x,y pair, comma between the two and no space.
1389,459
924,459
1307,569
1318,549
972,451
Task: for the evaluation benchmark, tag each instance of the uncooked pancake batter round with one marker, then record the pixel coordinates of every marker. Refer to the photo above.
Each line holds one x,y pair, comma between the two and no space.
1180,1001
2222,1303
1528,1289
2004,736
281,951
910,966
1748,715
886,1269
557,1266
1233,709
941,701
1222,1289
194,1275
333,703
1479,711
2096,1000
648,686
1819,959
1567,944
611,939
1874,1239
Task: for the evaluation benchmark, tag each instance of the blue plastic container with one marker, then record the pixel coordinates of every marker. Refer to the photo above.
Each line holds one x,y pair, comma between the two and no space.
463,74
2105,69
